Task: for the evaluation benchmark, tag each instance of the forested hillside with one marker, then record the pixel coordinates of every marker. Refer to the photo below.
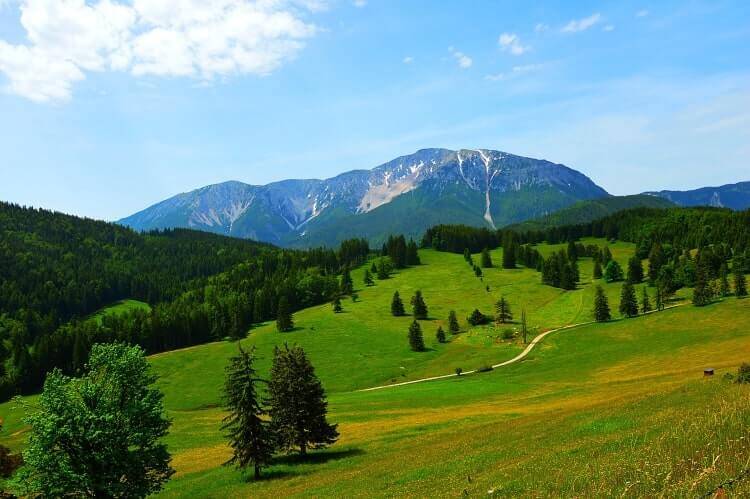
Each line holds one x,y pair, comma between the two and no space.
57,269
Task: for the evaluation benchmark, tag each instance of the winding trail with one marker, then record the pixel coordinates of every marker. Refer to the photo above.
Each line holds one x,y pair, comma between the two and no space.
538,339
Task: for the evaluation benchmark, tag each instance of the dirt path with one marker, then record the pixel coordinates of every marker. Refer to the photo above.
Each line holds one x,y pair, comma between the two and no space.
538,339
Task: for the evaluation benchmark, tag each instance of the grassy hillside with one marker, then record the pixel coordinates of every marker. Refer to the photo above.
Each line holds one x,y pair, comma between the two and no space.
120,307
603,409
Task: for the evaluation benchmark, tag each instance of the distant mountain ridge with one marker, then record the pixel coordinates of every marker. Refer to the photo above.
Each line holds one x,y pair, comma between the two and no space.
589,210
405,195
734,196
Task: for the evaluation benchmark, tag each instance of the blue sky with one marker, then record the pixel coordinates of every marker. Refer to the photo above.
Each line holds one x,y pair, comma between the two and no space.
109,106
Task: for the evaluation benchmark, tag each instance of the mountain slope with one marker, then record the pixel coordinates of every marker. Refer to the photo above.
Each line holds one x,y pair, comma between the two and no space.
594,209
406,195
734,196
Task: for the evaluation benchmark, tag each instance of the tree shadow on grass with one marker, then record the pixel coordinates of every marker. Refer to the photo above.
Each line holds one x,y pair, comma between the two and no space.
318,457
291,465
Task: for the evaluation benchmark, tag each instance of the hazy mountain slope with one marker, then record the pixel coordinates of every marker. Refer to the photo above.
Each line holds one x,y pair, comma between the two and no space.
734,196
405,195
594,209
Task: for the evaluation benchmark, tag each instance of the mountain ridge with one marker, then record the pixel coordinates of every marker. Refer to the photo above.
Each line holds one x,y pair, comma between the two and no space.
475,186
735,196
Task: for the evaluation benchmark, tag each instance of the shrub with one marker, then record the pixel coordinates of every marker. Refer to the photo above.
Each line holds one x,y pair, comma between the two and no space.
509,334
477,318
485,368
743,373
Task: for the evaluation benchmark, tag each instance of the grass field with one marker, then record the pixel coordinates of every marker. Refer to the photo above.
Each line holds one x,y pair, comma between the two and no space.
119,308
600,410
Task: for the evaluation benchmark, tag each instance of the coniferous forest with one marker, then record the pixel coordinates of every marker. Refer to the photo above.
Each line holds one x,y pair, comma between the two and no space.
56,270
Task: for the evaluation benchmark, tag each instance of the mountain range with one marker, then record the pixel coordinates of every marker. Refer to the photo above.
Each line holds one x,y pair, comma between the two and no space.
404,196
734,196
478,187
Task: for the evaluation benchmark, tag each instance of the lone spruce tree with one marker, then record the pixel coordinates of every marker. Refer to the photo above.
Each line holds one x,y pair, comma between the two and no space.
628,301
297,403
601,306
397,306
384,269
613,272
419,307
337,309
486,259
368,278
249,434
702,293
645,302
503,313
453,326
723,280
635,270
597,270
347,285
440,334
284,320
100,435
416,340
740,283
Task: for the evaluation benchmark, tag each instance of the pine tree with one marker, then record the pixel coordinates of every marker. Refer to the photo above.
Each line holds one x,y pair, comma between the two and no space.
606,256
337,305
613,272
645,302
297,403
572,251
412,253
384,270
476,318
702,293
416,341
373,269
284,320
597,270
628,300
635,270
477,271
659,298
509,250
656,259
397,306
486,259
250,436
368,278
453,326
440,334
503,313
419,307
723,280
467,255
601,306
740,283
347,285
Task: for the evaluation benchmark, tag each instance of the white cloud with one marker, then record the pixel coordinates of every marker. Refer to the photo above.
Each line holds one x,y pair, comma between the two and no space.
463,60
577,25
541,27
642,13
514,72
65,39
408,60
360,3
510,42
608,27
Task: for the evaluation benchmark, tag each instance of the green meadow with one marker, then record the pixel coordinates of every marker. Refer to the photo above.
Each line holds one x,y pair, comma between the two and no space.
615,409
